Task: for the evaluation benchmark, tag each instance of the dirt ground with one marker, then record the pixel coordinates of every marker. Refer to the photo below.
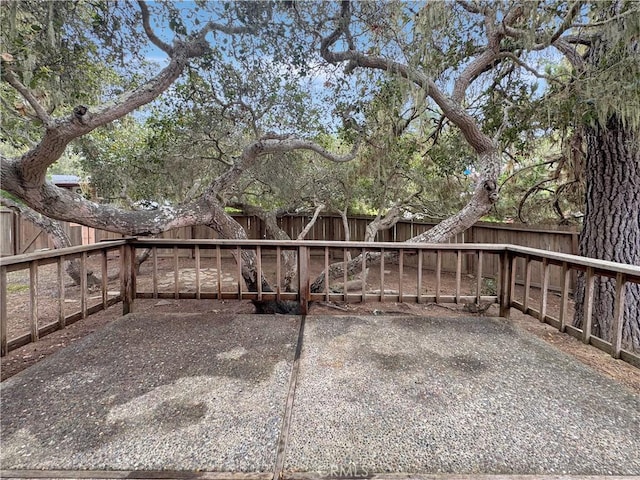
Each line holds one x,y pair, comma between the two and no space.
48,308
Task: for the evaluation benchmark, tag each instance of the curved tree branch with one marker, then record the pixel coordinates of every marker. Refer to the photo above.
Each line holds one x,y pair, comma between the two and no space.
10,77
144,10
60,132
450,106
62,204
305,231
570,51
531,191
271,144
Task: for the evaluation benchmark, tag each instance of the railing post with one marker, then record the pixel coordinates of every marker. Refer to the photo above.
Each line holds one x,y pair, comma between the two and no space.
196,254
61,294
303,278
458,274
83,285
438,274
618,316
589,288
33,300
506,271
479,277
564,305
128,278
105,279
3,311
544,289
527,284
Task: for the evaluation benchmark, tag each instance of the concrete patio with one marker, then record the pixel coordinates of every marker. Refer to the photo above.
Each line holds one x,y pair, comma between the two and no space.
247,396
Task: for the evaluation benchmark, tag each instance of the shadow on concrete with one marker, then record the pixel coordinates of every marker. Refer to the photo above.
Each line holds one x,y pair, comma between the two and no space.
367,396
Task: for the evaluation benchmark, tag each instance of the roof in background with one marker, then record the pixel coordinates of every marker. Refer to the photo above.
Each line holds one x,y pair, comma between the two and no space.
65,179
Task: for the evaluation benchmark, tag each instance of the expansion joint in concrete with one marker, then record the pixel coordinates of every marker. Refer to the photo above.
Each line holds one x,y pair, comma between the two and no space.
286,418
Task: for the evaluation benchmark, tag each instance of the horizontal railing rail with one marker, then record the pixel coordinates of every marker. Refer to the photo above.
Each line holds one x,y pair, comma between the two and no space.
53,255
603,267
293,271
150,242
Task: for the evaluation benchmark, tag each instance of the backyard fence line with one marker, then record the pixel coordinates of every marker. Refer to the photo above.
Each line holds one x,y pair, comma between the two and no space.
20,236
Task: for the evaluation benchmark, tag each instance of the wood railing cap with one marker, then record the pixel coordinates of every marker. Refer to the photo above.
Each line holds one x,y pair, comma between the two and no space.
45,254
632,271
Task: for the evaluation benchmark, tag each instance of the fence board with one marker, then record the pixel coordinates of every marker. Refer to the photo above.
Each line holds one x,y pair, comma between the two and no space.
7,233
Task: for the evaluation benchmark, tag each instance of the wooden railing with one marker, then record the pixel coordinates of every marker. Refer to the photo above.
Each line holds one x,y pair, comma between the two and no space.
401,272
41,323
623,275
412,255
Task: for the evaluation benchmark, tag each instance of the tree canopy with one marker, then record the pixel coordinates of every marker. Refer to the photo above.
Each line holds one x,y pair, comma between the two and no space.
428,87
200,106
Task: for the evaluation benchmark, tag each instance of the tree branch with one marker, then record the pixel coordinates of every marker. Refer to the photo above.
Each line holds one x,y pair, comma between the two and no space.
10,77
311,222
271,144
144,10
60,133
62,204
477,67
570,51
382,223
451,108
471,7
530,69
566,21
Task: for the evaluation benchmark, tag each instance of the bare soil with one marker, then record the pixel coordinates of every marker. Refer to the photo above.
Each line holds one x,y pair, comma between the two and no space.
48,308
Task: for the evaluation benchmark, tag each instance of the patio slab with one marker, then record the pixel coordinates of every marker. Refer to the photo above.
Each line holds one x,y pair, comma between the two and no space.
168,392
464,396
395,397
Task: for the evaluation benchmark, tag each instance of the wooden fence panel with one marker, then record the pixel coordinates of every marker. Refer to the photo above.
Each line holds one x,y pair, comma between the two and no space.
30,238
7,233
19,236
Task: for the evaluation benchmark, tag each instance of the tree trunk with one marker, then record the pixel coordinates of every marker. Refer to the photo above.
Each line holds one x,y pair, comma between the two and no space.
484,196
382,223
347,230
289,257
226,227
612,224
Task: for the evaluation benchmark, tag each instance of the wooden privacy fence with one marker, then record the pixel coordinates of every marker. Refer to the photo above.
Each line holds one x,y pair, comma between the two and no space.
213,276
19,236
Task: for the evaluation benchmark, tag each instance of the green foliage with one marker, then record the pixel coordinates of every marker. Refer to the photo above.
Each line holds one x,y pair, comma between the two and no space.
269,81
610,85
59,54
607,83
